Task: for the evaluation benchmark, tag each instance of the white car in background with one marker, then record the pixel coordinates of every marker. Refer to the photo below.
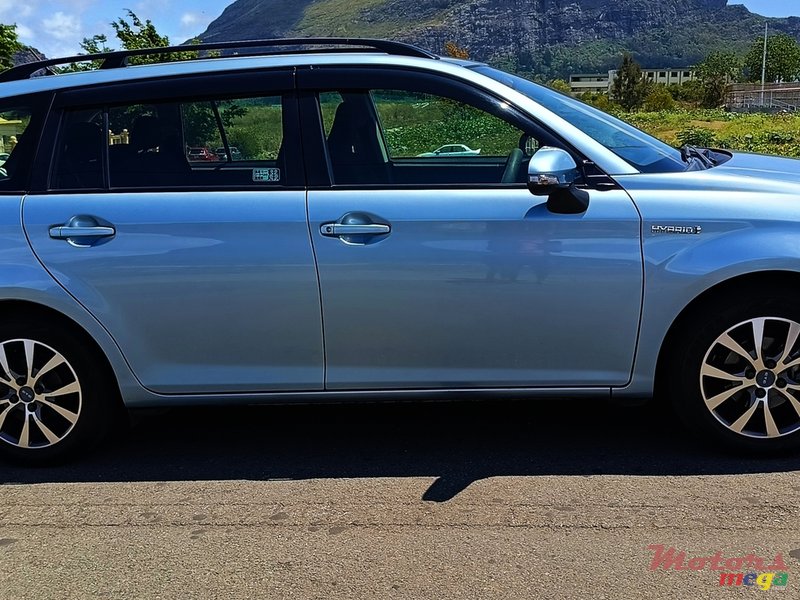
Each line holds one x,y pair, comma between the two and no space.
453,150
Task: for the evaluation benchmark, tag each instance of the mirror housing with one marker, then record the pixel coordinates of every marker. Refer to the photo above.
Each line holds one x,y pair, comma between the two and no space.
570,200
551,169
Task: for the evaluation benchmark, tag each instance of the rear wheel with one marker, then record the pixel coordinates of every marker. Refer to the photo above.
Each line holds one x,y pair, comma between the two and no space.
55,399
737,379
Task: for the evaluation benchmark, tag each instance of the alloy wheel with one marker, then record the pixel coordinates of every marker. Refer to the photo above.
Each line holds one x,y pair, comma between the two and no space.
40,395
750,378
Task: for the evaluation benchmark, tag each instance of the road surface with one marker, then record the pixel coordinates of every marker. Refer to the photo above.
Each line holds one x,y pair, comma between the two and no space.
516,500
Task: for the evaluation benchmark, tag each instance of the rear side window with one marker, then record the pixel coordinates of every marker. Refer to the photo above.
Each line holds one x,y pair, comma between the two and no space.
248,129
197,143
15,135
79,162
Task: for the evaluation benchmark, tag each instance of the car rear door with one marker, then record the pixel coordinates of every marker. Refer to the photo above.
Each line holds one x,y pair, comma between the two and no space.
203,272
445,272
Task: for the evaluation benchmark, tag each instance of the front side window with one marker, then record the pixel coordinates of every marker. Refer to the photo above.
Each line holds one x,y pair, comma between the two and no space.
417,125
403,137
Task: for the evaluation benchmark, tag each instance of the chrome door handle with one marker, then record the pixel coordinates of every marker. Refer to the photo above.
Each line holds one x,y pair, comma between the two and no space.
65,232
337,229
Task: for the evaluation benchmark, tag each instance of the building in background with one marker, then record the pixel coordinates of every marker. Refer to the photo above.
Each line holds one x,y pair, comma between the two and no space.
601,82
595,83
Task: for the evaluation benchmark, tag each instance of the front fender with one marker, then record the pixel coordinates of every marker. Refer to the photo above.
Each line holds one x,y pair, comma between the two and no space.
679,268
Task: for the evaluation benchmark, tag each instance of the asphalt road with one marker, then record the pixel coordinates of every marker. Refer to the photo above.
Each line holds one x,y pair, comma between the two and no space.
468,500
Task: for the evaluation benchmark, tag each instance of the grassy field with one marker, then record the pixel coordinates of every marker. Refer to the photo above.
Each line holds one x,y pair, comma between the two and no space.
770,134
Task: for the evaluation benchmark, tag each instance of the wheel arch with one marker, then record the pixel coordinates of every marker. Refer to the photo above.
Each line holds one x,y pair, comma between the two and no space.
769,279
27,308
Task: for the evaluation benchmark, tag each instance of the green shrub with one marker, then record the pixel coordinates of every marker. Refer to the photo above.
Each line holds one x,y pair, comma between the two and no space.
780,137
659,99
697,136
601,101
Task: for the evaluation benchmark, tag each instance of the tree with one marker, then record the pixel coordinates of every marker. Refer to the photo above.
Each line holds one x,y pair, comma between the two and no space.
140,34
689,91
599,100
714,74
783,59
134,35
560,85
93,45
629,88
9,45
659,98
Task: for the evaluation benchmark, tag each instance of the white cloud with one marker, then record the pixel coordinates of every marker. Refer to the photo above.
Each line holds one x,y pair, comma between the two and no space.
62,26
189,19
24,32
12,10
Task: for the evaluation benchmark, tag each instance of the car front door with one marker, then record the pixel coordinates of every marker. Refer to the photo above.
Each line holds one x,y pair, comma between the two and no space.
201,270
446,272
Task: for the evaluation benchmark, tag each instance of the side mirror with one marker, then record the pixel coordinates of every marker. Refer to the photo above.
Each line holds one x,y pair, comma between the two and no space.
551,169
552,172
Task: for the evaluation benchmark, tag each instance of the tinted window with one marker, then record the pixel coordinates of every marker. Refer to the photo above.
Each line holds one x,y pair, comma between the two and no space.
79,160
405,137
417,125
14,123
204,143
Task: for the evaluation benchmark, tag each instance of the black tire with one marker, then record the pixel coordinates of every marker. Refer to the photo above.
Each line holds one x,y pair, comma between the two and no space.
697,341
94,403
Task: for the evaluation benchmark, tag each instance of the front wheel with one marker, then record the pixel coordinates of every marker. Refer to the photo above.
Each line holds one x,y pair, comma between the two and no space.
51,394
737,379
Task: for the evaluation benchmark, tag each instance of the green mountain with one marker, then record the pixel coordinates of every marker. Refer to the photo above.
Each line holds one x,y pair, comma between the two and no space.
547,37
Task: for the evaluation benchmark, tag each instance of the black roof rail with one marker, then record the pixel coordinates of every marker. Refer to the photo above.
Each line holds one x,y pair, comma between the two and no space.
119,59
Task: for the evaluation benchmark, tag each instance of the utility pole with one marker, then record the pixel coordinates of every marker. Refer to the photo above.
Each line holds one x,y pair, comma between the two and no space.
764,63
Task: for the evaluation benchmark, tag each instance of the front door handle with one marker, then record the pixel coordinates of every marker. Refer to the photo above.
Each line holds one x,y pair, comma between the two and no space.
338,229
357,229
82,231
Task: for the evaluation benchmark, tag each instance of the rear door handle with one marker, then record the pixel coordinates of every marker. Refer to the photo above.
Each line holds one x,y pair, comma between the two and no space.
65,232
338,229
83,231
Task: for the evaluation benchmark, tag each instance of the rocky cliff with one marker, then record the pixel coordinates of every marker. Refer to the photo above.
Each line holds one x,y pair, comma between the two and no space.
549,37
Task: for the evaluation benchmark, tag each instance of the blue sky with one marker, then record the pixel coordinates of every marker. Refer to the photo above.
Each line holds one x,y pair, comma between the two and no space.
56,27
771,8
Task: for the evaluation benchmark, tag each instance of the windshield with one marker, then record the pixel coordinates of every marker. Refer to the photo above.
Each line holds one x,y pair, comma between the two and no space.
644,152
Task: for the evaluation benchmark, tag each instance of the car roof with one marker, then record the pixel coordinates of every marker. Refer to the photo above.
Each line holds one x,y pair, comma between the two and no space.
202,66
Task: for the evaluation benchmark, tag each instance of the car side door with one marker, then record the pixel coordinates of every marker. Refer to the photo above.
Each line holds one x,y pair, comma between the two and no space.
446,272
202,271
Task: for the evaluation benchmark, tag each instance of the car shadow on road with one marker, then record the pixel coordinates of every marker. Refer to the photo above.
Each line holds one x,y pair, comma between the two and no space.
457,443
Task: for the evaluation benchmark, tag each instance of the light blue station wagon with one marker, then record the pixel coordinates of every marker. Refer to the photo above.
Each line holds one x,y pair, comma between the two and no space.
322,255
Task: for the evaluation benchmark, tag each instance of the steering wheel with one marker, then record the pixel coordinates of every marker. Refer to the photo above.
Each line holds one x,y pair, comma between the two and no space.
513,164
